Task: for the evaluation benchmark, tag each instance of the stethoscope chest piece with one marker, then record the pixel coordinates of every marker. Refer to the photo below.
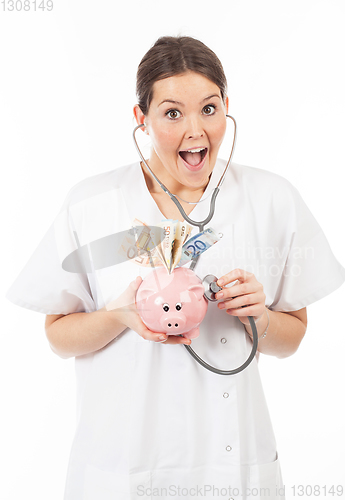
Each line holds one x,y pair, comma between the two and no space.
211,287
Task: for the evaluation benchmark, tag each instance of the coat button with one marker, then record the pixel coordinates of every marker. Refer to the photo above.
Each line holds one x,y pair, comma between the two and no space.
228,448
225,395
223,340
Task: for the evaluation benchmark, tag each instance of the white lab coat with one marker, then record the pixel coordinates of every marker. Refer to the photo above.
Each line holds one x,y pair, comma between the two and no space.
151,422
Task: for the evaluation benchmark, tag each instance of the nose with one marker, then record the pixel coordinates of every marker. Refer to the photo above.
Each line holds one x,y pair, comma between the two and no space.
194,129
174,324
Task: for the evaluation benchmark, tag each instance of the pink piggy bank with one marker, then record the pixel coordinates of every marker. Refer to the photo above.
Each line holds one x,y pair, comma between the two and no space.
172,303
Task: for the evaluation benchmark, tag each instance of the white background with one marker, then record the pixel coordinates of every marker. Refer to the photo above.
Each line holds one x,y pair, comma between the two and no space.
67,89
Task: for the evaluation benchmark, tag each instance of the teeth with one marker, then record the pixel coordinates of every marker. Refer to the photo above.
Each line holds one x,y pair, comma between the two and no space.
196,150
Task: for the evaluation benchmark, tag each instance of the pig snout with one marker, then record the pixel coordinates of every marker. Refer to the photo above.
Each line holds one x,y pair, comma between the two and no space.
173,324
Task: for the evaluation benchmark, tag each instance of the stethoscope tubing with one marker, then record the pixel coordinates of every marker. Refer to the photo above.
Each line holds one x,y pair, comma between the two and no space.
201,226
238,369
173,197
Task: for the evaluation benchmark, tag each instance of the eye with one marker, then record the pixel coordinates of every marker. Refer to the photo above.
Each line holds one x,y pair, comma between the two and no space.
166,307
178,306
173,114
210,109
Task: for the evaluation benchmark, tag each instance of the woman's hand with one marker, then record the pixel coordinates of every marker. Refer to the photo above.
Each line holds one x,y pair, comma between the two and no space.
126,312
245,298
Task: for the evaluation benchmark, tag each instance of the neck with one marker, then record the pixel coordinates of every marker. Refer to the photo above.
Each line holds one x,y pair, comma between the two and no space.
187,193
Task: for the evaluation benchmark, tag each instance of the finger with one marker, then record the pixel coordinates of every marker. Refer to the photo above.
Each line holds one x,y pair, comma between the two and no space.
176,339
236,290
235,274
136,283
147,334
242,301
254,310
163,338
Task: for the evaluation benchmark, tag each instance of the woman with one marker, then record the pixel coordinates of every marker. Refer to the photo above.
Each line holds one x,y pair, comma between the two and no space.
152,423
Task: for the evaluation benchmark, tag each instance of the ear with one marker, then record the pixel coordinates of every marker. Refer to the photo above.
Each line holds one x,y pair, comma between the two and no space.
198,290
227,104
145,293
139,116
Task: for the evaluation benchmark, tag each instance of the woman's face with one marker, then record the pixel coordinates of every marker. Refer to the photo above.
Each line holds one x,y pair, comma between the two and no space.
186,122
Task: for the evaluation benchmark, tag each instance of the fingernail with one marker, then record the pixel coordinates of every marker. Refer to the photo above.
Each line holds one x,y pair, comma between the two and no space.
162,337
219,295
220,282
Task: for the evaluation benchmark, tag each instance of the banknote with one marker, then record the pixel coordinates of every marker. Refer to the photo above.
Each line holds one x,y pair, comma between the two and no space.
151,246
167,244
169,227
157,236
183,231
198,244
170,248
139,245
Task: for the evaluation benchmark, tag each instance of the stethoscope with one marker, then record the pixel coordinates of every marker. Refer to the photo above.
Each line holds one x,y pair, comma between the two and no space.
209,281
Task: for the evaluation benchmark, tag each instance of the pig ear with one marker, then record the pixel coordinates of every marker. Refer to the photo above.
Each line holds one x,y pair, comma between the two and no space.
145,293
198,290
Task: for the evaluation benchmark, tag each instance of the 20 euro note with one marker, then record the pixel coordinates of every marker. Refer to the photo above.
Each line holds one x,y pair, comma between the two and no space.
198,244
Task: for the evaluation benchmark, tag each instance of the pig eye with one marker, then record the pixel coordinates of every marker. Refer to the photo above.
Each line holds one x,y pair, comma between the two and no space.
178,306
166,307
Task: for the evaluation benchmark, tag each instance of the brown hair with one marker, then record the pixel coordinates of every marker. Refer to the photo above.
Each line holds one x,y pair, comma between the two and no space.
171,56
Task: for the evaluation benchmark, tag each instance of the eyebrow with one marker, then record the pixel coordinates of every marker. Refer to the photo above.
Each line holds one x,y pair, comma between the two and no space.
210,97
181,104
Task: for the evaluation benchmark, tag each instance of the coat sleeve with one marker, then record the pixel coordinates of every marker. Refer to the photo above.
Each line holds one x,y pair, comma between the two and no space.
311,270
43,285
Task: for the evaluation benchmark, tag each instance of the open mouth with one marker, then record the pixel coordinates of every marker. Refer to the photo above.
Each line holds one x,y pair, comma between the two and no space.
193,157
